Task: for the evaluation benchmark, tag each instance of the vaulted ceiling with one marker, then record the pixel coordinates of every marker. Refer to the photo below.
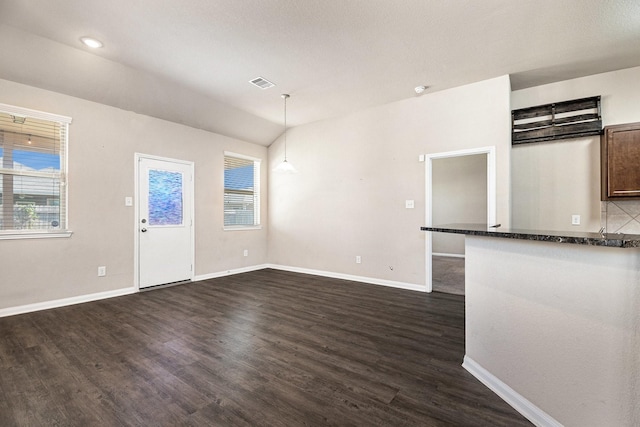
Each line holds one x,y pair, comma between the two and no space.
190,61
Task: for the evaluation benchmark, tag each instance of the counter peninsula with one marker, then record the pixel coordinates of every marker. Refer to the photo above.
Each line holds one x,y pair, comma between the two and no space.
552,322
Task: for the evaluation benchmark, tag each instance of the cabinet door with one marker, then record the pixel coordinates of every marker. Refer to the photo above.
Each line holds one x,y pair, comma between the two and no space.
621,161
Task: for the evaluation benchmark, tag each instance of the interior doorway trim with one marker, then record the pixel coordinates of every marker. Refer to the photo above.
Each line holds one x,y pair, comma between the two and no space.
491,196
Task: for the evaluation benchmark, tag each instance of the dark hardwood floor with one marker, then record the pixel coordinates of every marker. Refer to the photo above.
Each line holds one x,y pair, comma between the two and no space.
448,275
266,348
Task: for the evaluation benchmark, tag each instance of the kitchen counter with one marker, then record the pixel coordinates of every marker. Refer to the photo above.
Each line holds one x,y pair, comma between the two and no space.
554,329
613,240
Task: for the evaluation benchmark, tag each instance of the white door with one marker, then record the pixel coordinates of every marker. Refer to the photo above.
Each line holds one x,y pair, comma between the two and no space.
165,221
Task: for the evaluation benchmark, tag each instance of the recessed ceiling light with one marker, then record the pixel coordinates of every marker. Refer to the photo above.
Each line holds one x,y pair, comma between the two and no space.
91,42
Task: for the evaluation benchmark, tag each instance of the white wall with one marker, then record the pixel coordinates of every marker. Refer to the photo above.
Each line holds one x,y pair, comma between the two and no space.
102,143
552,181
356,172
459,196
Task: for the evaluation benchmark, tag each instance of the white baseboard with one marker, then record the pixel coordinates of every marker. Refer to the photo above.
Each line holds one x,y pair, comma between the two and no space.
447,255
401,285
530,411
230,272
362,279
46,305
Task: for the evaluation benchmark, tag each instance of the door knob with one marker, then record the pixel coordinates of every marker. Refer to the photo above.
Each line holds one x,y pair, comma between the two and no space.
144,230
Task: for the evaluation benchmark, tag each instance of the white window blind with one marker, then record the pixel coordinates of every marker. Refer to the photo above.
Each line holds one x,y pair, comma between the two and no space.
33,195
241,191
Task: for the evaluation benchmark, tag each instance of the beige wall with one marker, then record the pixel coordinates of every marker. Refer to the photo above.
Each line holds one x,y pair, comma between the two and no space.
356,172
552,181
348,199
459,196
102,144
564,337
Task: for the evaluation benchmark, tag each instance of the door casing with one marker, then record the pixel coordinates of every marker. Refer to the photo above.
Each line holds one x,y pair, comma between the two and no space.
491,197
136,225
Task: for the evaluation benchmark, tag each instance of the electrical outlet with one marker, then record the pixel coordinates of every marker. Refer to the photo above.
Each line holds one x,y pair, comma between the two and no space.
409,204
358,259
246,252
575,219
102,271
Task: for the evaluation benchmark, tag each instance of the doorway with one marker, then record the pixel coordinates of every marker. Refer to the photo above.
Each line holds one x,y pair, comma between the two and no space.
164,221
444,251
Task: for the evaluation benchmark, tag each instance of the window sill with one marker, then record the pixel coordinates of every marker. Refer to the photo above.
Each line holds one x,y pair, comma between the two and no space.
34,235
243,228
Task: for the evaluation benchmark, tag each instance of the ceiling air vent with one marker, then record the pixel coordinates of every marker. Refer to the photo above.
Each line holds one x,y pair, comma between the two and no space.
261,82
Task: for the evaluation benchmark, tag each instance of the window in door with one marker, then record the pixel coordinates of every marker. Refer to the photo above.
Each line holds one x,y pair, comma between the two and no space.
165,197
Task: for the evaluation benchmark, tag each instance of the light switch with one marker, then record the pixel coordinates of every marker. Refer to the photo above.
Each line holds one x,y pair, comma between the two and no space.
409,204
128,201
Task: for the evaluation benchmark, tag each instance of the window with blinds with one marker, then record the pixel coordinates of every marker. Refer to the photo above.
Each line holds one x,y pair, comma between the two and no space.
241,191
33,194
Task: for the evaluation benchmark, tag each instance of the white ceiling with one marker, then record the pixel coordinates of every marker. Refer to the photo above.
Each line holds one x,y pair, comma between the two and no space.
190,61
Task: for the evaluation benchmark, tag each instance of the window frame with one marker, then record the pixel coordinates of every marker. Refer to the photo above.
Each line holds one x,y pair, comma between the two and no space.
64,187
257,163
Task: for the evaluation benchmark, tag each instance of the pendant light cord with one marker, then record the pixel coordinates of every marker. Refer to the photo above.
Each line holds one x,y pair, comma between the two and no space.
285,166
285,96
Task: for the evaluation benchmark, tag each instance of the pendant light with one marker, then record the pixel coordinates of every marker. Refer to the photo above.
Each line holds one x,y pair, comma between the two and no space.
285,166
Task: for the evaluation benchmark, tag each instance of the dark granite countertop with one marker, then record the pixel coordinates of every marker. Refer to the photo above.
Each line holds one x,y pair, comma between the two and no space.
613,240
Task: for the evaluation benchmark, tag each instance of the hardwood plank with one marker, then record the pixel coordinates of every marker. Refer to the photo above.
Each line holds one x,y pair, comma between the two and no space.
267,348
448,274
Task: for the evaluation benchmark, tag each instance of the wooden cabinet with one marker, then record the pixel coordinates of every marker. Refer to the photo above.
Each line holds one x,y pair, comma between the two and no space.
620,156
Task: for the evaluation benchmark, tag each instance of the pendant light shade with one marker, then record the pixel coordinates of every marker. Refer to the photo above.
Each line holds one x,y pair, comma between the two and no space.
285,166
